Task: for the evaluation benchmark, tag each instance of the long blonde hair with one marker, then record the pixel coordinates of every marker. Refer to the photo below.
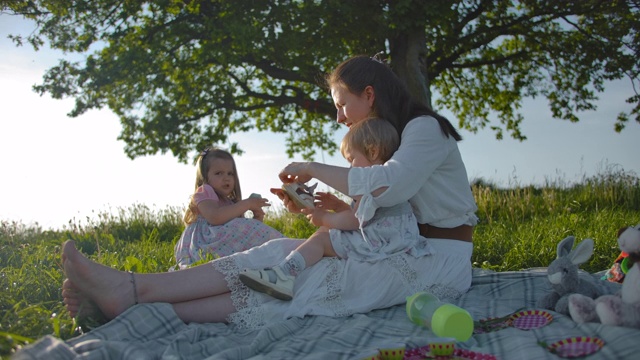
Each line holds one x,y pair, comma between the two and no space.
203,164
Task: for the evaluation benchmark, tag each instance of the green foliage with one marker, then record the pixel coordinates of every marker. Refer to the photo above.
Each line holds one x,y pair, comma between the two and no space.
294,226
185,74
519,228
31,274
130,224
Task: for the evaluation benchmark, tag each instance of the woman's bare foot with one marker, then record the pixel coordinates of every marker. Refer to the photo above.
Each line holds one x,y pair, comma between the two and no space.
94,285
79,306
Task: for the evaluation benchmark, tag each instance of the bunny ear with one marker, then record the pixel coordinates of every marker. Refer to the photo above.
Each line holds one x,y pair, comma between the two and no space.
564,246
582,252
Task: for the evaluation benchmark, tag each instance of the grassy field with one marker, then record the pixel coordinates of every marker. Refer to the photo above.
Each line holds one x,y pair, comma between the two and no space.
519,228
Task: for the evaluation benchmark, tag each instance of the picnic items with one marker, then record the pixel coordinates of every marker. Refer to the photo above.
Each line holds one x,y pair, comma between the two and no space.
425,352
563,276
444,319
619,269
159,333
442,346
369,354
621,309
574,347
392,351
523,320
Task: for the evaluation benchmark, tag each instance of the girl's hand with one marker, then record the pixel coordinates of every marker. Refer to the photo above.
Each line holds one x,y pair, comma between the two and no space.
315,215
288,203
329,201
255,204
296,172
258,214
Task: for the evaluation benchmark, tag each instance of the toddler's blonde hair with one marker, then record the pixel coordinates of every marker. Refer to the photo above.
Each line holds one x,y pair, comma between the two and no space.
374,137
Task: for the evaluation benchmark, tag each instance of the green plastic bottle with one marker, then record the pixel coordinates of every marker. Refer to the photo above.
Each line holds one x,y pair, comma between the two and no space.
444,319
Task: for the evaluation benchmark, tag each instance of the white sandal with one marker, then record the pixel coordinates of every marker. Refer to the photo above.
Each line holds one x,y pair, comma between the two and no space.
271,281
301,194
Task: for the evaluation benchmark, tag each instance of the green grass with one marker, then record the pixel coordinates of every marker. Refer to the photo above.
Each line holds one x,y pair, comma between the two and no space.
519,228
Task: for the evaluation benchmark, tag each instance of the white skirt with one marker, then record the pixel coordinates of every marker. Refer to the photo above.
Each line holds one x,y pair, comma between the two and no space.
342,287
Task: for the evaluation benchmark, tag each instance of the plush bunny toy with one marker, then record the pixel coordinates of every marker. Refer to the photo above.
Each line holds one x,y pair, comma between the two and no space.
622,309
563,276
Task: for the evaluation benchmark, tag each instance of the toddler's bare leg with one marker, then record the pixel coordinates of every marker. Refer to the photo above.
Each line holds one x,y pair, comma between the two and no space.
316,247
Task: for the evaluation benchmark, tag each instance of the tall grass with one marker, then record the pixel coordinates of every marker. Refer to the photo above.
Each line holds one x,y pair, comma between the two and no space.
519,228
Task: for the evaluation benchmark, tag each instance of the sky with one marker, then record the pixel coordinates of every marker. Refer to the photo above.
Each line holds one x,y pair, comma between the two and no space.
56,169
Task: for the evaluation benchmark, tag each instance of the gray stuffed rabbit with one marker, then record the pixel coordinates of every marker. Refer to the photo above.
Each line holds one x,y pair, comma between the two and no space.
563,276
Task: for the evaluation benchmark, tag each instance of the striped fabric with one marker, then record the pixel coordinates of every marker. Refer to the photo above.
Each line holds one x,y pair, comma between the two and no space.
153,331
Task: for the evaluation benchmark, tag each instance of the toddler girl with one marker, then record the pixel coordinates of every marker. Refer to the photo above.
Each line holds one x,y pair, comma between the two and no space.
346,231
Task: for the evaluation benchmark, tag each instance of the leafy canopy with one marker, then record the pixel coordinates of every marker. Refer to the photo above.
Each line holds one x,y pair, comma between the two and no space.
181,75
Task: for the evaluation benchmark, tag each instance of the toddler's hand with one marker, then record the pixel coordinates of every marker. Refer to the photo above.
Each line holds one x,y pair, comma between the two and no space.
315,215
329,201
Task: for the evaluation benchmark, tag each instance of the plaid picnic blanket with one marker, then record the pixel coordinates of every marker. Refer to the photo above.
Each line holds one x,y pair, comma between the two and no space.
153,331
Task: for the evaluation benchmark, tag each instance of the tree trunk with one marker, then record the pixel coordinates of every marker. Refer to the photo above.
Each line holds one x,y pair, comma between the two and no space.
408,51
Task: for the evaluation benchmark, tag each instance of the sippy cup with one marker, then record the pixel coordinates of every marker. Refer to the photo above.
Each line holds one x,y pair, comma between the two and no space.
445,320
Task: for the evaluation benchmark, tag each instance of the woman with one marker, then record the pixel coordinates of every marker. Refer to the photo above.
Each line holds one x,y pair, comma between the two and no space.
427,170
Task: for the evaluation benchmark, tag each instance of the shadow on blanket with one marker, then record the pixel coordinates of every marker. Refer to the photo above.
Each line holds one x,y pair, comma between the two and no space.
153,331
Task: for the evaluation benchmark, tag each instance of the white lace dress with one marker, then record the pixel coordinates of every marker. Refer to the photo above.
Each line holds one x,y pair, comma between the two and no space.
342,287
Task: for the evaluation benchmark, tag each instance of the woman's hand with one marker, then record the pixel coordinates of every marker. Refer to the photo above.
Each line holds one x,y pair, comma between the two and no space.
328,201
296,172
288,203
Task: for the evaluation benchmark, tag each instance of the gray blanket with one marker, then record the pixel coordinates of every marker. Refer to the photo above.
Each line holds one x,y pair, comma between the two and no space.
153,331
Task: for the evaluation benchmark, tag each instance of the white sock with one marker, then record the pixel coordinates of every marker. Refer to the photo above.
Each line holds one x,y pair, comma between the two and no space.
293,264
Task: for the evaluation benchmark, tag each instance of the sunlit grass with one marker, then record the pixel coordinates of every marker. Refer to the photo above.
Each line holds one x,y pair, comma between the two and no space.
519,228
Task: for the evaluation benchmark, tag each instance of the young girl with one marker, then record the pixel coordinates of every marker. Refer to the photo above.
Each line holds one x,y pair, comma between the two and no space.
215,222
350,232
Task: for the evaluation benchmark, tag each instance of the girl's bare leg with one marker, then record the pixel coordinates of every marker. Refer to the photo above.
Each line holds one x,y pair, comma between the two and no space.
112,291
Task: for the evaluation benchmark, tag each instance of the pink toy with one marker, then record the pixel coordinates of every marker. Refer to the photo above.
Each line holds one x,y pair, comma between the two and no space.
622,309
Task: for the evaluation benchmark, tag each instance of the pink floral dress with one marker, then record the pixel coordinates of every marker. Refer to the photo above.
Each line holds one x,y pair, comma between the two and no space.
201,238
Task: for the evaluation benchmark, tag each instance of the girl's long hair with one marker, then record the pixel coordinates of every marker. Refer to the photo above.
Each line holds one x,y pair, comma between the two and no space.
393,102
203,164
